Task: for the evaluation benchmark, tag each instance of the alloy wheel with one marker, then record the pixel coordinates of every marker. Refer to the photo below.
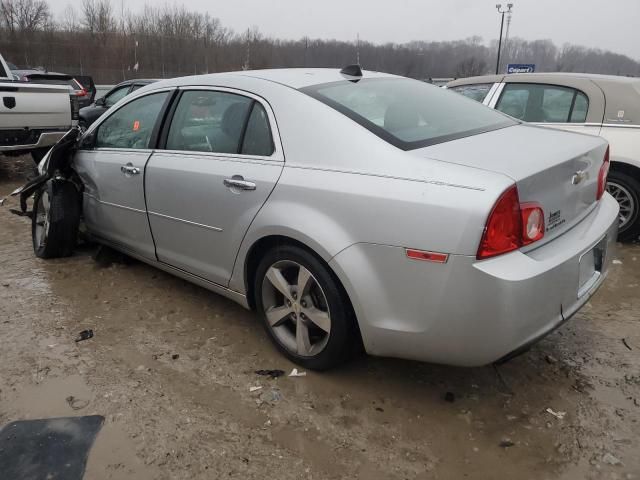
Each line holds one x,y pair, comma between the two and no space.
296,308
625,200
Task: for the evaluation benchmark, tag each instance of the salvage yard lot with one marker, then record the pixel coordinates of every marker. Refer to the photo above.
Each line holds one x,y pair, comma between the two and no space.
171,367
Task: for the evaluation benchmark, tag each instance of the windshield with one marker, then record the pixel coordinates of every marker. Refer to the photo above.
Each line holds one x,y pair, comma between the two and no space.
408,113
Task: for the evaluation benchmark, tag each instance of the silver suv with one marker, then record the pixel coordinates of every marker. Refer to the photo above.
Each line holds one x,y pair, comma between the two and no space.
603,105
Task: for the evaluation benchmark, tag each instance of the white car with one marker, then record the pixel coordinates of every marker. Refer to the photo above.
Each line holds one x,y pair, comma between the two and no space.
603,105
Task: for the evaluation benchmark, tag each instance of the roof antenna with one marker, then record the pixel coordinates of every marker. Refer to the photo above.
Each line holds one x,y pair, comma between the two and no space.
354,70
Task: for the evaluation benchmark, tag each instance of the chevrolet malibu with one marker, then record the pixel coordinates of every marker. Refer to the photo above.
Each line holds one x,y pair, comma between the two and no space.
347,208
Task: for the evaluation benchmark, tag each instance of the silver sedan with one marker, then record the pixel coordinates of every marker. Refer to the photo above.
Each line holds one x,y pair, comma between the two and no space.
348,208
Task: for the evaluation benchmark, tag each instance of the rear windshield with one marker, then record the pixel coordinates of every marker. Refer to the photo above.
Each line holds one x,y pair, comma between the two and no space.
408,113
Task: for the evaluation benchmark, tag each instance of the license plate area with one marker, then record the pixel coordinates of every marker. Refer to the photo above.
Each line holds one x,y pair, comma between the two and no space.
591,263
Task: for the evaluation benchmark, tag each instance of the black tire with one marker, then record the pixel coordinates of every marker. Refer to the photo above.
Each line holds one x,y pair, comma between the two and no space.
58,236
38,154
343,337
631,189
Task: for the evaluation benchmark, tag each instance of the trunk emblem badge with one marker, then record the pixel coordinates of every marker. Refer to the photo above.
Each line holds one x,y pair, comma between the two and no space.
578,177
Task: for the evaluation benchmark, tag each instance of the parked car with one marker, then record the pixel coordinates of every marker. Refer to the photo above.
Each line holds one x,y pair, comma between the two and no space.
33,116
90,114
89,85
603,105
76,90
345,207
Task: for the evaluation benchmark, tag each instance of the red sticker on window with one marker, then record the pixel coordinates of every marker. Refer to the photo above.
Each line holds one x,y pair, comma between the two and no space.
136,125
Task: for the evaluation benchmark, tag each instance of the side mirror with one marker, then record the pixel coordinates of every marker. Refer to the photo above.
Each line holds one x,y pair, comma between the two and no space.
101,102
88,141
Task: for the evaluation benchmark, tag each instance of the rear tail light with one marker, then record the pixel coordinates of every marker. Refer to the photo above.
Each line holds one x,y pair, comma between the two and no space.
511,225
602,175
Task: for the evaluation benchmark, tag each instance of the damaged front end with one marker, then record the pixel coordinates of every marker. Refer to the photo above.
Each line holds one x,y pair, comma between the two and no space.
56,164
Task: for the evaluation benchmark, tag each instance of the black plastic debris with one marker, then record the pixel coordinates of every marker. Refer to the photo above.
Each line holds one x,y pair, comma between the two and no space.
270,373
449,397
506,443
175,356
84,335
55,448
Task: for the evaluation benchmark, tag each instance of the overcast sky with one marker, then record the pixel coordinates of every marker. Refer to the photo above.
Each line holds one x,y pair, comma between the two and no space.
608,24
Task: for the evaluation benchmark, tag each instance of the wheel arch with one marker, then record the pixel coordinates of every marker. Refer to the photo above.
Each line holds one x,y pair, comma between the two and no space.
625,167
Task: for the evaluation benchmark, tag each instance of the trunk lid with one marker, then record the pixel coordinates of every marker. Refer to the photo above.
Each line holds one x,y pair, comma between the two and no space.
558,170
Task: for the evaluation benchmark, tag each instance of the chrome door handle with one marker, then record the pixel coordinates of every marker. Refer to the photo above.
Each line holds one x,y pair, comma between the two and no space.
129,169
240,183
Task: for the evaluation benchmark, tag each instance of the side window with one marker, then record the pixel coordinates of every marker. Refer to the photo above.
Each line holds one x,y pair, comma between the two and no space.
543,103
477,92
257,138
580,108
112,98
131,125
136,87
208,121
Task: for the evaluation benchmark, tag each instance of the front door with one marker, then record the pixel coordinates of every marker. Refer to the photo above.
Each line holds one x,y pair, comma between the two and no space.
112,168
205,188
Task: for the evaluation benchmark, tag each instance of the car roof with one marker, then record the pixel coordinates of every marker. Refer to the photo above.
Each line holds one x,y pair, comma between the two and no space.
291,77
596,77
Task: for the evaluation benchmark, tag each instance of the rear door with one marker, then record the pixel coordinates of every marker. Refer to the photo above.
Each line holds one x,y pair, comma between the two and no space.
222,158
112,170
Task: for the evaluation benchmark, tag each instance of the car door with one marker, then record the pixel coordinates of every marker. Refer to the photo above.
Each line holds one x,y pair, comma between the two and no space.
111,162
576,106
222,158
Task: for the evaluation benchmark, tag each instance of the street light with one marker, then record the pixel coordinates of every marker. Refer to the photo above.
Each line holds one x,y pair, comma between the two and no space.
501,12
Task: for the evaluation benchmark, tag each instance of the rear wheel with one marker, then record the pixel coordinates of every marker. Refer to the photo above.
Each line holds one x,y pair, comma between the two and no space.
626,190
56,216
304,309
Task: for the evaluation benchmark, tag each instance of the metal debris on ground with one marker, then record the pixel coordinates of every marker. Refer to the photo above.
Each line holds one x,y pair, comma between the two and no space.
275,373
296,373
617,262
254,389
84,335
558,415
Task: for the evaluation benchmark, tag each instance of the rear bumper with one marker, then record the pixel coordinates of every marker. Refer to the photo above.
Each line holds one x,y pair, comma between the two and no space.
39,140
468,312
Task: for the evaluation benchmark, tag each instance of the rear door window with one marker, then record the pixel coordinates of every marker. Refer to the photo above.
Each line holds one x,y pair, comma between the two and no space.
477,92
131,125
543,103
210,121
257,138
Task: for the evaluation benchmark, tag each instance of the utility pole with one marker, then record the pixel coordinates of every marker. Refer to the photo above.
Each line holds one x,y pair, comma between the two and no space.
501,12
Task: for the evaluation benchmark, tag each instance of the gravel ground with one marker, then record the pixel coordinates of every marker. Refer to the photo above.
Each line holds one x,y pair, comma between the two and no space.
171,366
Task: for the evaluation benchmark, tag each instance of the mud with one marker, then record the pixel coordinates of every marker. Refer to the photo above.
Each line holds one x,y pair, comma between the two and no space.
171,366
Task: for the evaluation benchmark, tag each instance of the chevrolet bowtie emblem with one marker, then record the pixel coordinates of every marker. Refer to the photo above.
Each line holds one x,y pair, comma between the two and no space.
578,177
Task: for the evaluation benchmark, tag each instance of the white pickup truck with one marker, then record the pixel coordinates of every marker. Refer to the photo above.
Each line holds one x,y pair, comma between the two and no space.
33,116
